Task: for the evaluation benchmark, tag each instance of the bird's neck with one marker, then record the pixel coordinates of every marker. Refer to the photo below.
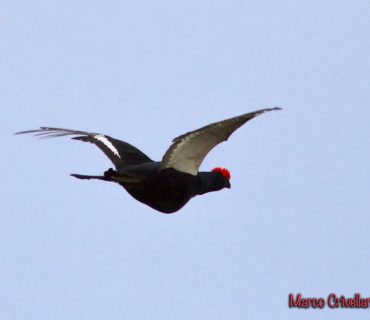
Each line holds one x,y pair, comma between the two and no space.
208,182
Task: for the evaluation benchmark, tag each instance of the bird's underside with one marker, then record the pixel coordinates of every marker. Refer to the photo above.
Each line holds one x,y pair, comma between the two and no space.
169,184
166,197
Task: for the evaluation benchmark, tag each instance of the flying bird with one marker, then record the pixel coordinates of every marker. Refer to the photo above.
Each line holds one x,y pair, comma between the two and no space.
169,184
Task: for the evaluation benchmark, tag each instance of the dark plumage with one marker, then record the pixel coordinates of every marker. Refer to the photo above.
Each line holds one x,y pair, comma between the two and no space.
169,184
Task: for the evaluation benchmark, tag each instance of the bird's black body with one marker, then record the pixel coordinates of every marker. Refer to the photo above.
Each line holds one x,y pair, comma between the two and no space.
167,185
169,190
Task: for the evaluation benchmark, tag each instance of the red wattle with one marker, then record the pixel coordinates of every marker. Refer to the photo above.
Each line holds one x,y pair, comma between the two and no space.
223,171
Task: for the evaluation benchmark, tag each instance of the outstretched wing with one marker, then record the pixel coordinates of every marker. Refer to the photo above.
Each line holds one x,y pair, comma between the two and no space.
122,154
188,150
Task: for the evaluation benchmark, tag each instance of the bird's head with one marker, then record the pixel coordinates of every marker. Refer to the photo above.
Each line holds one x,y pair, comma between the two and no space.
222,177
215,180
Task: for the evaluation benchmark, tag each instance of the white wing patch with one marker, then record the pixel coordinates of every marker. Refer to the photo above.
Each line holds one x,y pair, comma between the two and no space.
187,154
108,144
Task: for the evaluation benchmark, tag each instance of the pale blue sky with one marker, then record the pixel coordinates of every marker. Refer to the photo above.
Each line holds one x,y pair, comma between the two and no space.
298,215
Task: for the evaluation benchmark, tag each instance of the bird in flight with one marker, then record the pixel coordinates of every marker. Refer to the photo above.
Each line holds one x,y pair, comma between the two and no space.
169,184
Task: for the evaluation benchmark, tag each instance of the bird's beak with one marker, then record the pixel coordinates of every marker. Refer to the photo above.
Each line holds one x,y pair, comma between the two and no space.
228,185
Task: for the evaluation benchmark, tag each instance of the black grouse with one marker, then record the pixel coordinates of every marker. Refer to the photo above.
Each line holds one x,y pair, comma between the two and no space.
169,184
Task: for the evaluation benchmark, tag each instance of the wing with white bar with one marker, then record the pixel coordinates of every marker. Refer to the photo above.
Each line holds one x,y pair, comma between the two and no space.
122,154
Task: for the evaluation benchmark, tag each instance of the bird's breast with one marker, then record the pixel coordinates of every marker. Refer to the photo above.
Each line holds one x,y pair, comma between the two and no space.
167,191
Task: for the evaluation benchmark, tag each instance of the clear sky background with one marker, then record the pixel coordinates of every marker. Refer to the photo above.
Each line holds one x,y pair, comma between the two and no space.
298,215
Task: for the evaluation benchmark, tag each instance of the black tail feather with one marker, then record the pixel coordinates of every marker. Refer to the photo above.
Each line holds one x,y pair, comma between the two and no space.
88,177
109,175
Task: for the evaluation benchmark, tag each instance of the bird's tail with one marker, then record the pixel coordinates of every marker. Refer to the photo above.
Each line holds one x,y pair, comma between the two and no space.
88,177
109,175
